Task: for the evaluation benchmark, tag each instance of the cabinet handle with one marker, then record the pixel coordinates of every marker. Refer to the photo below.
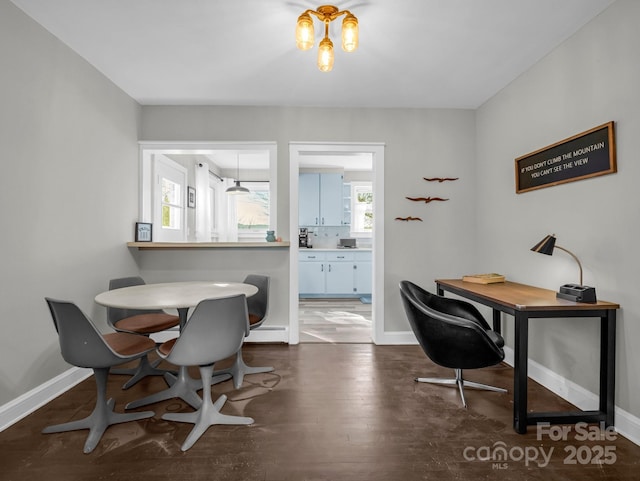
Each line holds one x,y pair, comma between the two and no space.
340,257
316,221
323,221
321,267
311,257
329,267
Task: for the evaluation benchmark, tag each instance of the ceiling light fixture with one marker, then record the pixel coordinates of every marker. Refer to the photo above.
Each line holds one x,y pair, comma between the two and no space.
326,14
237,188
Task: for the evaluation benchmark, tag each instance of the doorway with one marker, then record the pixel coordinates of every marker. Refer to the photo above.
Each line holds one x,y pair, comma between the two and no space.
335,320
340,318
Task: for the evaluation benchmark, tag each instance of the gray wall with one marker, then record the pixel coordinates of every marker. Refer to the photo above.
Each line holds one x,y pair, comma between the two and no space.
68,193
589,80
418,143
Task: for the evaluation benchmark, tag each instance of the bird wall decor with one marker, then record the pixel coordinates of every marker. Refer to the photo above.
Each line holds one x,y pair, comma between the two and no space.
426,200
440,179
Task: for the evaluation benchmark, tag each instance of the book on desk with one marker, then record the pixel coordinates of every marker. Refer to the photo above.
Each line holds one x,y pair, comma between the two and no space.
490,278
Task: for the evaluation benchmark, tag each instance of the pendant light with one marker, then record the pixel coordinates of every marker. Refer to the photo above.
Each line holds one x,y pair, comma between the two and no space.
237,188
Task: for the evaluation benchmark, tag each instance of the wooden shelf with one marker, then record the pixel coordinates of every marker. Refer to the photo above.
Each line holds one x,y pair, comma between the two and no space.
206,245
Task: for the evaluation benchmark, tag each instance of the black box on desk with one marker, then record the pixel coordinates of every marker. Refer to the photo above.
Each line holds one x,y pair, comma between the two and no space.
577,293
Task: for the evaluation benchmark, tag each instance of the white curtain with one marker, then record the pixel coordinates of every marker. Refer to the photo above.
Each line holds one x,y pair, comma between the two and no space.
203,204
232,218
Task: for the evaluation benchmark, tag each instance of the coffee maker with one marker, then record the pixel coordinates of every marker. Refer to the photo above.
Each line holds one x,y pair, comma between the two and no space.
303,237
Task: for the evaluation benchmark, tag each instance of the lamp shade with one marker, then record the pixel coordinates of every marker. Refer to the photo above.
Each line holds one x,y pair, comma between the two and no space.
237,189
546,245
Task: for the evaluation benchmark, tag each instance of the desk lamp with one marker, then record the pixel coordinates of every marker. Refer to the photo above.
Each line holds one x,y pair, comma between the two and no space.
572,292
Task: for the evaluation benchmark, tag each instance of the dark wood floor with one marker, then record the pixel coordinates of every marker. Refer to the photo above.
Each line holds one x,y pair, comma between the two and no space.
329,412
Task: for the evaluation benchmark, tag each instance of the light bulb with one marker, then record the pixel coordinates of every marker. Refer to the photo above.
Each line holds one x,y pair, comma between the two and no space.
349,33
304,32
325,55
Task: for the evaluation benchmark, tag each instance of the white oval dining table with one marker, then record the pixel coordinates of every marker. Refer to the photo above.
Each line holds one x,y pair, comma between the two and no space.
172,295
181,296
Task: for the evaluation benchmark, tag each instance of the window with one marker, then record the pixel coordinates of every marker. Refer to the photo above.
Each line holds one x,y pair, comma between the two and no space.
252,210
361,208
171,204
169,200
167,170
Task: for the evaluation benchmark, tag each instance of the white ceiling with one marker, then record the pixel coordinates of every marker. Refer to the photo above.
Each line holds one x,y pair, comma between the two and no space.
413,53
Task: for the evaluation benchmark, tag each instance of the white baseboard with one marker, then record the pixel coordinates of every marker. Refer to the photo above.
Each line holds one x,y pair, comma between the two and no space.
18,408
626,424
271,334
397,338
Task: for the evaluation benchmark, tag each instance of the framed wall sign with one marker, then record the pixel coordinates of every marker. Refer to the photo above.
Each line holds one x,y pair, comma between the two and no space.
191,197
582,156
143,232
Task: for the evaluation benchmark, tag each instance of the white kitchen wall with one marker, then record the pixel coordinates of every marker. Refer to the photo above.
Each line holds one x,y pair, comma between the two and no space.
328,237
592,78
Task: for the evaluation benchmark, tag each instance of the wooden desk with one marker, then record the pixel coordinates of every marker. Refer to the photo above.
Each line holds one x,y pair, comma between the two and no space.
526,302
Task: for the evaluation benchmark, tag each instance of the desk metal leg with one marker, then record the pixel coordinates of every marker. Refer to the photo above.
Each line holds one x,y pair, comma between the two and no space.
608,365
520,373
496,321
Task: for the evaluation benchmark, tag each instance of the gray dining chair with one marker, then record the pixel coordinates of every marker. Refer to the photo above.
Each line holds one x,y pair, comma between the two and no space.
258,306
215,331
82,345
138,321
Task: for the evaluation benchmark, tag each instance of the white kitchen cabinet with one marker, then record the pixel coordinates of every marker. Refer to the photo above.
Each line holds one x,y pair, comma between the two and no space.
309,199
346,204
311,275
363,273
320,199
334,273
339,273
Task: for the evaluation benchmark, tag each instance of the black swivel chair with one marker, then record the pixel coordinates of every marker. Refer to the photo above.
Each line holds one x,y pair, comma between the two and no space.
258,306
82,345
452,334
142,322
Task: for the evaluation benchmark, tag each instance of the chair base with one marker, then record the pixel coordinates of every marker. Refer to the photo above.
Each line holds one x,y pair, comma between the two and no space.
100,419
181,386
239,370
142,370
460,383
207,415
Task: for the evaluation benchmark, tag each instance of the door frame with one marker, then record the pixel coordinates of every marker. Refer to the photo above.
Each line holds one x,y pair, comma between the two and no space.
298,149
